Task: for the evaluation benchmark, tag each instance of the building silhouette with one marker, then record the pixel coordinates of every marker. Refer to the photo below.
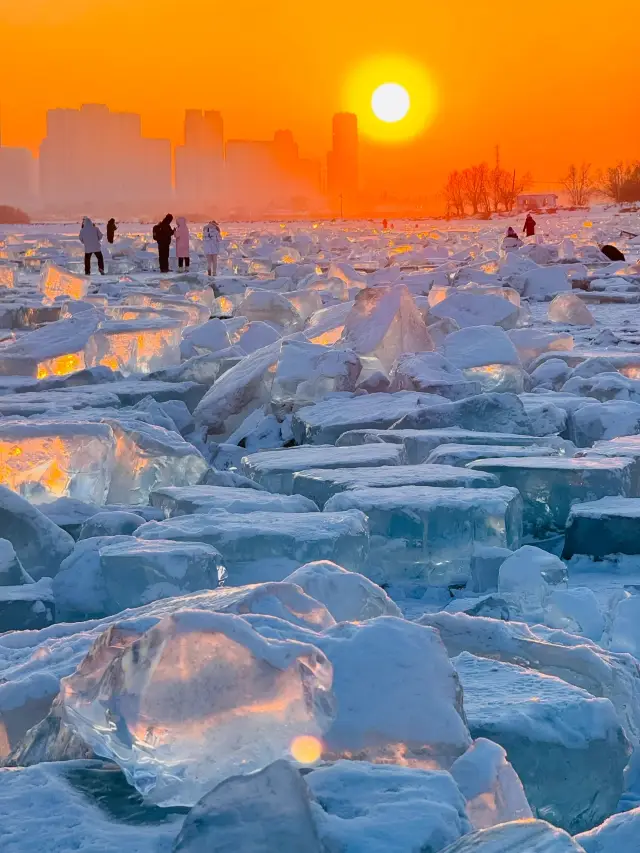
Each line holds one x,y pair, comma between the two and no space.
93,159
18,177
200,162
342,161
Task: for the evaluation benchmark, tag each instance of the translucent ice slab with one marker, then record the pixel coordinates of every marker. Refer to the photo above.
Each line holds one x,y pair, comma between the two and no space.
420,443
135,346
461,454
625,445
187,500
427,534
274,469
324,423
307,372
43,461
581,779
532,836
56,281
550,486
147,457
281,543
319,485
602,527
52,350
196,699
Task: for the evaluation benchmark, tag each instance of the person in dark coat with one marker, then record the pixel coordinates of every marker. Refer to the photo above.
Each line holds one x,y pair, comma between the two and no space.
612,252
111,230
163,234
529,226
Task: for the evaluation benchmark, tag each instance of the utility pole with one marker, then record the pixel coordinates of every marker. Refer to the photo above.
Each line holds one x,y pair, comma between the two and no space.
341,206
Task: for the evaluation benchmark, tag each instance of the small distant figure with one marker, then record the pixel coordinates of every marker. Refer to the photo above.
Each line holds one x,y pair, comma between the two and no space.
385,224
111,231
511,241
162,234
212,238
91,239
529,226
182,242
612,252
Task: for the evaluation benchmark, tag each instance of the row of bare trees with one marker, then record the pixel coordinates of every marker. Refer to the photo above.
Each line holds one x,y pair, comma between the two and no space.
483,190
620,183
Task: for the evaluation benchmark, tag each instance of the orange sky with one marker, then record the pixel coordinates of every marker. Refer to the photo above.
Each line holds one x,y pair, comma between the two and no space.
551,81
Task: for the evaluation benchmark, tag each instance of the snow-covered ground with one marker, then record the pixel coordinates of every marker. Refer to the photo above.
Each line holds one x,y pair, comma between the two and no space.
338,551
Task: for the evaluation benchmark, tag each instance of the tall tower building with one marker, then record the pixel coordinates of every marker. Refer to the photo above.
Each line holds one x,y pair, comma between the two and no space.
200,161
342,161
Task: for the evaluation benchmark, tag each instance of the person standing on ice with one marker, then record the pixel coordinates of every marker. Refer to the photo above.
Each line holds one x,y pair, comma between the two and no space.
182,242
111,230
529,226
212,238
91,239
162,234
511,241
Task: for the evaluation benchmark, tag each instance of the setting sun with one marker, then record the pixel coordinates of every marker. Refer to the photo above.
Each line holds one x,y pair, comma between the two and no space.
394,98
390,102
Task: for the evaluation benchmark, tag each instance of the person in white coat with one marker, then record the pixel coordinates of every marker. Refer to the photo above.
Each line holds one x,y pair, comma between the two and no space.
212,239
91,239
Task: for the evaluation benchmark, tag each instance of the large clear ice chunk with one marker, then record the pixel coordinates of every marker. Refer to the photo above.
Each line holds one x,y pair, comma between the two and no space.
585,748
196,699
186,500
135,347
319,485
308,372
550,486
56,281
275,469
524,836
427,534
607,526
45,460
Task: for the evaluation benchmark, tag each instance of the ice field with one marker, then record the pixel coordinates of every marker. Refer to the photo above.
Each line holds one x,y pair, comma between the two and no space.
337,552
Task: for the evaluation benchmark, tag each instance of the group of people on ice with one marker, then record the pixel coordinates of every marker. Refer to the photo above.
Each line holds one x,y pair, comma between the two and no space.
163,233
512,240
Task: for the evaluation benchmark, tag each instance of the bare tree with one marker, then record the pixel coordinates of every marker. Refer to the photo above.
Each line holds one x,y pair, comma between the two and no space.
621,182
580,184
454,194
475,181
508,186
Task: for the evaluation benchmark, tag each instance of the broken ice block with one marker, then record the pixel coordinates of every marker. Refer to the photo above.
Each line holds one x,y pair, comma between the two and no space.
569,309
308,372
543,283
55,349
486,354
427,534
550,486
602,527
135,572
266,546
385,322
45,460
461,454
135,346
270,307
274,469
27,607
326,326
8,276
586,750
39,543
348,596
625,445
600,421
532,836
420,443
379,804
56,281
241,390
431,373
526,577
324,423
319,484
495,412
198,698
187,500
147,457
111,522
471,309
531,343
257,812
616,834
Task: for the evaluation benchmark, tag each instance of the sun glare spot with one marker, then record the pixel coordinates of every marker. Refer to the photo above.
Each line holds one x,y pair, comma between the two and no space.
306,749
391,102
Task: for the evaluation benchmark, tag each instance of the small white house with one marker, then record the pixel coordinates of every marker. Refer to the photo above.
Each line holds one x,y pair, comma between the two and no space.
536,201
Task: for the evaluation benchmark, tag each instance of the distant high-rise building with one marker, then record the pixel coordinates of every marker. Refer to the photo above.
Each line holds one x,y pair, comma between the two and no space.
342,160
200,161
93,159
18,177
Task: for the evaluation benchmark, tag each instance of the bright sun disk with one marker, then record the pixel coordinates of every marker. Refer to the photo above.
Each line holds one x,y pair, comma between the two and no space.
390,102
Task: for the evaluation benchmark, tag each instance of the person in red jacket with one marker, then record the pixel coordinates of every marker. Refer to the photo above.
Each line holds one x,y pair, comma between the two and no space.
529,226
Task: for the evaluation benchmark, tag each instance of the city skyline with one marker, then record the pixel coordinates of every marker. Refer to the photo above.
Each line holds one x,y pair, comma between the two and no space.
97,159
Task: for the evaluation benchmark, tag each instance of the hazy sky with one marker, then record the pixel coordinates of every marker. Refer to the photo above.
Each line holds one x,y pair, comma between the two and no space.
550,81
